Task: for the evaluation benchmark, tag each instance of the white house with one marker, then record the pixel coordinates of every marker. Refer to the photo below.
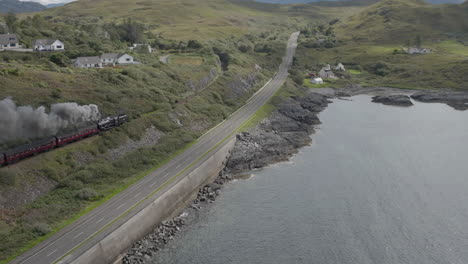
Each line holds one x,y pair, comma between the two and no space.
416,50
316,80
116,58
48,45
340,67
9,41
88,62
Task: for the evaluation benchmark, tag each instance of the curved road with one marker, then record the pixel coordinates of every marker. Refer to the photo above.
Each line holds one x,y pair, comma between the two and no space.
76,238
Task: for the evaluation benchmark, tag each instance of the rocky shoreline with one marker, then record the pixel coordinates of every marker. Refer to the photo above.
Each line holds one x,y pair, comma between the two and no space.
276,139
279,136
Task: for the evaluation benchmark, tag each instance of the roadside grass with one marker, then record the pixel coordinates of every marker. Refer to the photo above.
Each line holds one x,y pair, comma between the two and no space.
256,118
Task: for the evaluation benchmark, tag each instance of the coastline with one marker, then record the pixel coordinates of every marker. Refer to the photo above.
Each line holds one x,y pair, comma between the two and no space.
275,139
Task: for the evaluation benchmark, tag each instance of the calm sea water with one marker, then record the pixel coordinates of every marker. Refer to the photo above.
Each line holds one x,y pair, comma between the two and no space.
380,185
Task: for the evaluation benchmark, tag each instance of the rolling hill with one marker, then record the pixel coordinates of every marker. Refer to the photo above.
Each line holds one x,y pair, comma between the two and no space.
17,6
395,21
315,1
182,19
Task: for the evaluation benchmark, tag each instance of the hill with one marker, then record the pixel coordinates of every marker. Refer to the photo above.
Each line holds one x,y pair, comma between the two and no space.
396,21
183,19
17,6
368,1
370,43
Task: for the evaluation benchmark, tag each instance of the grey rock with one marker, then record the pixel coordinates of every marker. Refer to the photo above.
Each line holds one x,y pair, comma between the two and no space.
396,100
457,100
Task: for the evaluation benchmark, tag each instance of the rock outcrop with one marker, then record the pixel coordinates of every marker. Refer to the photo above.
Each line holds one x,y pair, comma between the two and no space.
457,100
396,100
279,136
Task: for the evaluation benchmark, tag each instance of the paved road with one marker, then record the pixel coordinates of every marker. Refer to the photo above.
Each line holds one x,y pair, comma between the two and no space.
76,238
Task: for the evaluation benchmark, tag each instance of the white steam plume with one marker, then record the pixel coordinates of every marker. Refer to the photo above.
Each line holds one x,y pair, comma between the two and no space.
28,123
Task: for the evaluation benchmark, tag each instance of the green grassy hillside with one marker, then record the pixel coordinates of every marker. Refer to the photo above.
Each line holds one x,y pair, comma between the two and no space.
395,21
181,19
370,44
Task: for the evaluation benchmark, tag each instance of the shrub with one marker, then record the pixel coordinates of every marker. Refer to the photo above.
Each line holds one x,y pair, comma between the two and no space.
379,68
59,59
41,229
194,44
87,194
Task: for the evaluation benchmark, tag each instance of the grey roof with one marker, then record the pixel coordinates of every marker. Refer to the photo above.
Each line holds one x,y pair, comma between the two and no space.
113,56
42,42
88,60
8,39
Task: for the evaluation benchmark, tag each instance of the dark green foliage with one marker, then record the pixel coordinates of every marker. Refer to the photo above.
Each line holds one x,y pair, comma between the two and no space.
60,59
194,44
224,57
41,229
379,68
87,194
11,21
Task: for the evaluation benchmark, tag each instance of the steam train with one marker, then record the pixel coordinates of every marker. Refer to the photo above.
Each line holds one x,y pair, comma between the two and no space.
28,150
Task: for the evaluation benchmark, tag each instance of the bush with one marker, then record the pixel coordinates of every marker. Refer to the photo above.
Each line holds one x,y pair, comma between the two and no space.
380,68
59,59
41,229
194,44
87,194
72,184
245,48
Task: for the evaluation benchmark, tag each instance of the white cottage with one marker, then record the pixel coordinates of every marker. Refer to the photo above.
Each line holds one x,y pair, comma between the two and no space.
116,58
316,80
9,41
87,62
48,45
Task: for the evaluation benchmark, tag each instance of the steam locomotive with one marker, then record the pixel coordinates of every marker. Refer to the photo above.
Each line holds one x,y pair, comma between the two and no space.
28,150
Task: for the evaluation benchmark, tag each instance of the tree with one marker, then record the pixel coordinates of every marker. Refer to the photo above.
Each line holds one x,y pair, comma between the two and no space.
132,31
11,20
194,44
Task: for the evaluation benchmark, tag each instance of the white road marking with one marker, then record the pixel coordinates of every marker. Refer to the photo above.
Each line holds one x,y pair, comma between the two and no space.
51,253
99,220
78,235
120,206
136,195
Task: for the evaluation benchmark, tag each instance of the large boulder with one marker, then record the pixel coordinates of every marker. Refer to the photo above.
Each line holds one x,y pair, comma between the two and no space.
457,100
396,100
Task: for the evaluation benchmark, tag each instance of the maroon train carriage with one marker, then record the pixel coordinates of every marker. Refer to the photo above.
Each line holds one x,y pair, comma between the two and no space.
25,151
77,135
22,152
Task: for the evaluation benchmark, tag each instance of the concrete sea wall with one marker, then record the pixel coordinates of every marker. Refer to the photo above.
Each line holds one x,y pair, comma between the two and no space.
110,248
